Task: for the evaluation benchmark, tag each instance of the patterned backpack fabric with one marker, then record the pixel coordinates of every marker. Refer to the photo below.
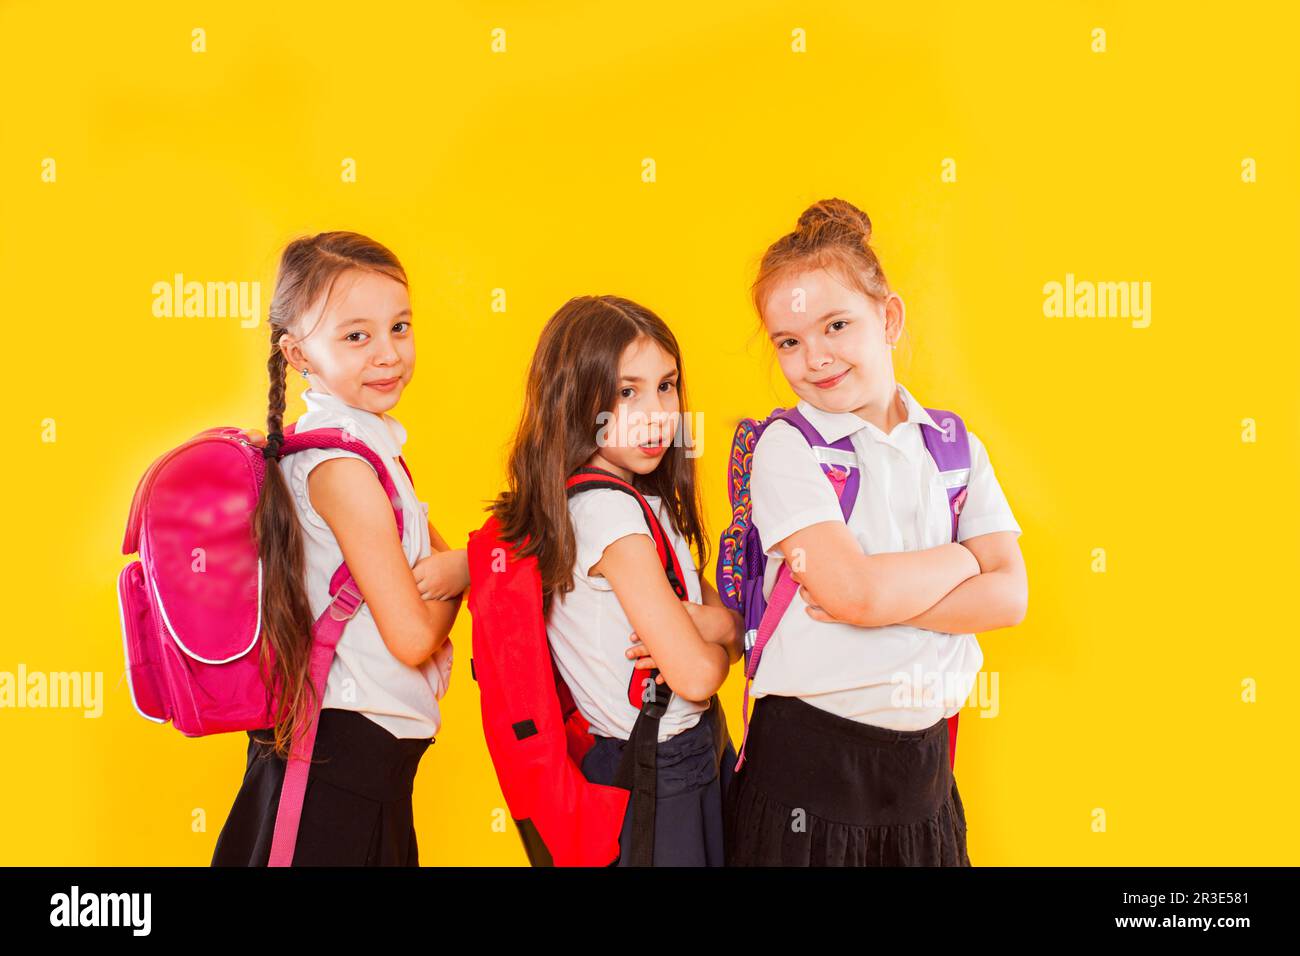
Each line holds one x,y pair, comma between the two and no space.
741,558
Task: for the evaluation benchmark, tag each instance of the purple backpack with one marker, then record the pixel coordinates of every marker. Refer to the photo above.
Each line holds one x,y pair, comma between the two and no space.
741,557
191,605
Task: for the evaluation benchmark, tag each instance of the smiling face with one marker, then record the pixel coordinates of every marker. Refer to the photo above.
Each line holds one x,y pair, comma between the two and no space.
833,342
362,348
641,427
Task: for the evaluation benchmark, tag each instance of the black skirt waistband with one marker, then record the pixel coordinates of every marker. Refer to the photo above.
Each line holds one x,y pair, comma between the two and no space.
824,722
843,770
356,754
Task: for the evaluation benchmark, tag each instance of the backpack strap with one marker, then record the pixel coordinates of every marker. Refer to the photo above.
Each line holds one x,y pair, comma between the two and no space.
588,478
840,464
838,459
638,769
326,633
950,449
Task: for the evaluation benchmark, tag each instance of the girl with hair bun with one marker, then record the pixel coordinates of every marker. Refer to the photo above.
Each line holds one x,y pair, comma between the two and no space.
848,758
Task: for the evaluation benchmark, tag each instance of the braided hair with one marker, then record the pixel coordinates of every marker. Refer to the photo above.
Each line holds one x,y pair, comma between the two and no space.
308,269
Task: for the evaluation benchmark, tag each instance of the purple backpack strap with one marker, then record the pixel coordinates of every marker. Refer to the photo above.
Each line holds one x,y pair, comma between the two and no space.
839,462
326,633
950,450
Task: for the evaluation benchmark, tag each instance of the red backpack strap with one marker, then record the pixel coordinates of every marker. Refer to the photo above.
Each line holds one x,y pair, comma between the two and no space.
588,478
638,768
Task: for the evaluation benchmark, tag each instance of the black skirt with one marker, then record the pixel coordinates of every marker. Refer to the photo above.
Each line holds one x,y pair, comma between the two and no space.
357,807
690,785
817,789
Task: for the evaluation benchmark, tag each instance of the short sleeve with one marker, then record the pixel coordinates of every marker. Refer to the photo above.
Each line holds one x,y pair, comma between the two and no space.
298,466
600,517
986,509
788,488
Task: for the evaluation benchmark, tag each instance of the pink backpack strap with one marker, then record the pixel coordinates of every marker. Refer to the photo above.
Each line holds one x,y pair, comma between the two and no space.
783,592
326,634
845,480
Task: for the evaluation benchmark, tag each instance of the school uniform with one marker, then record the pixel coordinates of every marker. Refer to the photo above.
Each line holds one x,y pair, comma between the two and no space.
379,715
589,633
846,761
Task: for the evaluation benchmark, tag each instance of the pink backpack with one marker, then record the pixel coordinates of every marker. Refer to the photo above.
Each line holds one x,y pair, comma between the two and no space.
191,605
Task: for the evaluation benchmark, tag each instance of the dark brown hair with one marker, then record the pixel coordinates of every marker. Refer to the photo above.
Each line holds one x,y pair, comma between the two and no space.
832,234
573,378
308,270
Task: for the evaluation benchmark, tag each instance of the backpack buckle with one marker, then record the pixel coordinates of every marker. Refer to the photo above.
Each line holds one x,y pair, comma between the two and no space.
347,601
653,704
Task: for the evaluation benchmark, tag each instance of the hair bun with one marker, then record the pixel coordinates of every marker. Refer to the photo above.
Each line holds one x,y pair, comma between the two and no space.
835,212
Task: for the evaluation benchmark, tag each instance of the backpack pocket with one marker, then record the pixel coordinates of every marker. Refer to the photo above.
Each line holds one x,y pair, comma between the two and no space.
144,676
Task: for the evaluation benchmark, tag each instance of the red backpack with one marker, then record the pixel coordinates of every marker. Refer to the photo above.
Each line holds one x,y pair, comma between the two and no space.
535,734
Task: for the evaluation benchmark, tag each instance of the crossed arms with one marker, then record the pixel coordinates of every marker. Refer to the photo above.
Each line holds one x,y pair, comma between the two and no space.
976,586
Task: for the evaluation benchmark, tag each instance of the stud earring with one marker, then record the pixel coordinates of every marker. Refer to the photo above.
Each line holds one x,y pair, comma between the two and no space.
304,373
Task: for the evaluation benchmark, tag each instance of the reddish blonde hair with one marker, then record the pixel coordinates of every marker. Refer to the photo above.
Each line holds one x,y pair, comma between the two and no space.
832,234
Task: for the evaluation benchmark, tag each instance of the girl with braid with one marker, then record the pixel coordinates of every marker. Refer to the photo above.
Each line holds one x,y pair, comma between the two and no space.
341,318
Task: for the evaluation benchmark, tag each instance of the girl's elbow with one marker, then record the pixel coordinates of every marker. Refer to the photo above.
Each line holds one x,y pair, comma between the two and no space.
411,657
689,686
704,681
417,645
859,605
1019,607
698,690
1011,606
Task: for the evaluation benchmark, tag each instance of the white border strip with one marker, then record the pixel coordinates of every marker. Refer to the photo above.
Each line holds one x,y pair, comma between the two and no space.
126,653
836,456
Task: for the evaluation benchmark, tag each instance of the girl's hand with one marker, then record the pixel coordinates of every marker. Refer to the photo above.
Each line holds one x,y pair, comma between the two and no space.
814,610
443,575
641,654
256,437
719,624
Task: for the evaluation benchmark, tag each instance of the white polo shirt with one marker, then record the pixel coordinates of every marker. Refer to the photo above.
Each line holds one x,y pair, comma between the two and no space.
365,676
588,629
899,677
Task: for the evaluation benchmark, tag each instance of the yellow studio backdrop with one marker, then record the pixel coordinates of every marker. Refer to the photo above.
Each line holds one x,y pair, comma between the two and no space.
521,154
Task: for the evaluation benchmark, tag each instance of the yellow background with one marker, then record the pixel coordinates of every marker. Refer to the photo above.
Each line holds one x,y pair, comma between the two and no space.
1122,691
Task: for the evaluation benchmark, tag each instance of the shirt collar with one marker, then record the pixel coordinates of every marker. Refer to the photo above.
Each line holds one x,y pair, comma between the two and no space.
384,433
836,425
